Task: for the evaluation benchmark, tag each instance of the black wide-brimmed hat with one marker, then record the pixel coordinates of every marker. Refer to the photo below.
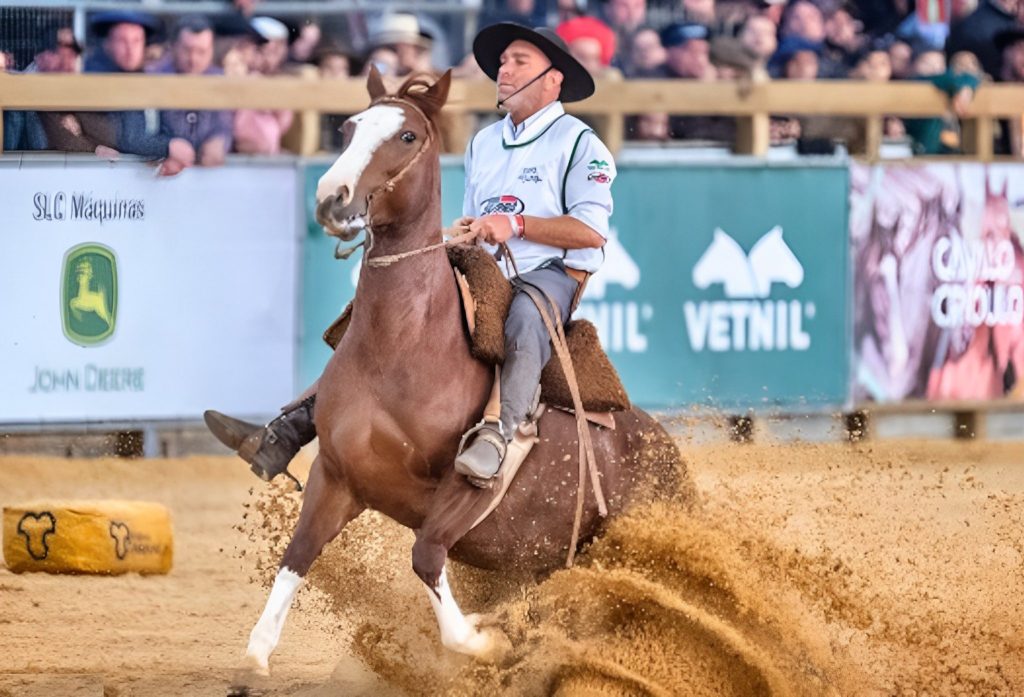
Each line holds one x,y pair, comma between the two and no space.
492,41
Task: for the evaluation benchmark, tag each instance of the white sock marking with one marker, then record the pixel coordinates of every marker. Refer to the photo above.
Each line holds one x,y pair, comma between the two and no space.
457,633
265,635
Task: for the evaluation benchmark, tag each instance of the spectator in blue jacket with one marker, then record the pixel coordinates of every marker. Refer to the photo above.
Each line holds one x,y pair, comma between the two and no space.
208,132
124,35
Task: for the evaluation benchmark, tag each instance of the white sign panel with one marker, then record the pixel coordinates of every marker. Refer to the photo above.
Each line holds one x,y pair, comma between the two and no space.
132,297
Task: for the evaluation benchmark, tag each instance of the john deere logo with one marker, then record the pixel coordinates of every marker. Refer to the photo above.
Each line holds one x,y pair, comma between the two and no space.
88,302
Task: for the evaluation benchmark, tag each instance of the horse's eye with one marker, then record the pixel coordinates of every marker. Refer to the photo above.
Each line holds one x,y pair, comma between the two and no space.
408,137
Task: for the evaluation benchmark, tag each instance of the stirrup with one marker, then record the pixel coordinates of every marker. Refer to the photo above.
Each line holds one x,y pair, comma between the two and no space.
484,423
493,433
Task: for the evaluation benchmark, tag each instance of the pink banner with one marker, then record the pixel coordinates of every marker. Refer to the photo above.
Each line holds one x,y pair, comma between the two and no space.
938,281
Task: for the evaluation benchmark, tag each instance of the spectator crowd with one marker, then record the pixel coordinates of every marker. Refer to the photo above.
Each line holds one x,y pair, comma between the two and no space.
955,45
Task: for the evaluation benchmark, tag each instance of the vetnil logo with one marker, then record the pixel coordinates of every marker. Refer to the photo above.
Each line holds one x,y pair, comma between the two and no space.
620,323
88,301
748,319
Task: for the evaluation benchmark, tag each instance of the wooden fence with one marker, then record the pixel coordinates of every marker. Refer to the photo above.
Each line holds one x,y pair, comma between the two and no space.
751,104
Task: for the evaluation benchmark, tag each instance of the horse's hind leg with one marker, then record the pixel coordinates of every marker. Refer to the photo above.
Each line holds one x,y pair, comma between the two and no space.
327,506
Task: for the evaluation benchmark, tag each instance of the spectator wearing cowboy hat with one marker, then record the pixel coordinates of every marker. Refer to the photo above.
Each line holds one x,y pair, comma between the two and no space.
401,32
124,35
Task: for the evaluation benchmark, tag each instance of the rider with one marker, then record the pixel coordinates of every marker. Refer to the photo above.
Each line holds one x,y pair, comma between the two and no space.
538,181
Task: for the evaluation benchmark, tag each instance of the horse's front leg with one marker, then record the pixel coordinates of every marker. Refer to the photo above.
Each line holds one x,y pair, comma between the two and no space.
456,506
327,506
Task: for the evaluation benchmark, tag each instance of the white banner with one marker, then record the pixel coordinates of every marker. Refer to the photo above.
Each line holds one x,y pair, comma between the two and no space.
132,297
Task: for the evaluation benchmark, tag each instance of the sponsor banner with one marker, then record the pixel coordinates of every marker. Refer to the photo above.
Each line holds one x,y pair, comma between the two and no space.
722,286
132,297
939,281
725,286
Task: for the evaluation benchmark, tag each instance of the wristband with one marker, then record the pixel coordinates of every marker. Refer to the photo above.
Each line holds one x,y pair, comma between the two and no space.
515,221
521,223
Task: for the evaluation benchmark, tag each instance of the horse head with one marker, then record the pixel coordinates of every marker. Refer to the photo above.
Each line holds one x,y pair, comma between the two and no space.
772,260
724,261
384,169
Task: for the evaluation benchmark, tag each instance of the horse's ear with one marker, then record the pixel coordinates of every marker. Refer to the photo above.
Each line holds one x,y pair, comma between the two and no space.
437,94
375,84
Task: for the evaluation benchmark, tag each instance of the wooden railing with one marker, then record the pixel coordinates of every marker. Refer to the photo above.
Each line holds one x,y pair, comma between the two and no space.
750,103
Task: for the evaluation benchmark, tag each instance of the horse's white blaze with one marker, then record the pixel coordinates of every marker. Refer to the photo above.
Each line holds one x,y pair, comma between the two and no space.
457,633
373,127
265,635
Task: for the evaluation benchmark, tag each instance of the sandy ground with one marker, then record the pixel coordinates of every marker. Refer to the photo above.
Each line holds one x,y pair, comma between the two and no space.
891,568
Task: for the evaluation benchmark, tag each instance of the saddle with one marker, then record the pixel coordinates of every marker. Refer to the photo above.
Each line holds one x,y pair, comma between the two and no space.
486,297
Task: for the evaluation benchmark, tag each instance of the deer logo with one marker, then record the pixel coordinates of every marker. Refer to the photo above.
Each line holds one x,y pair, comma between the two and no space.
35,527
89,294
122,537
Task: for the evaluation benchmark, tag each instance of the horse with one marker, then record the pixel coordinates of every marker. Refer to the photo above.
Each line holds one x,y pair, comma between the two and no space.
402,387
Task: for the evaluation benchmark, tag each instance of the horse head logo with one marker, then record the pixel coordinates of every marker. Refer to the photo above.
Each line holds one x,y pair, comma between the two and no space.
121,536
35,527
772,261
618,268
742,276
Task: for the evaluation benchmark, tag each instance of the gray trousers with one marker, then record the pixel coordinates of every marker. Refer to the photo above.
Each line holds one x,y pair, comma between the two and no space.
527,342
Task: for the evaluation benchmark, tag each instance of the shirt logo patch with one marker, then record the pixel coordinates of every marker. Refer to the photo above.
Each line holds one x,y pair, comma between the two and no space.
599,172
502,204
529,175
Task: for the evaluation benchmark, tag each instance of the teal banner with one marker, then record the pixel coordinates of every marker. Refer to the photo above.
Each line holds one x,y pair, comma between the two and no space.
723,286
726,286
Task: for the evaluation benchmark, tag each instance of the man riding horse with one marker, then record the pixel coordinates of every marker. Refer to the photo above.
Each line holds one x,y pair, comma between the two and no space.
538,187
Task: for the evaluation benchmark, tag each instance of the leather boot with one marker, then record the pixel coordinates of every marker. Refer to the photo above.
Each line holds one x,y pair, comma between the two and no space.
482,459
268,449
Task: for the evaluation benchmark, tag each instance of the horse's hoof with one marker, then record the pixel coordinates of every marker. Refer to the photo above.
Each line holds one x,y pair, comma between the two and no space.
489,643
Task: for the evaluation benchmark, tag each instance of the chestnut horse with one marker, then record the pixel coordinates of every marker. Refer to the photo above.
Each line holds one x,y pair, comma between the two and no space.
402,387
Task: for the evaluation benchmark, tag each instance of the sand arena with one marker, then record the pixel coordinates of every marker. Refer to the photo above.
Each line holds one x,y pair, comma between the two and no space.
890,568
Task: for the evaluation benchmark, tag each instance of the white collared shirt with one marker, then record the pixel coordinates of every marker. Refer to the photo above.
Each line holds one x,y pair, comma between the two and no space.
532,124
552,164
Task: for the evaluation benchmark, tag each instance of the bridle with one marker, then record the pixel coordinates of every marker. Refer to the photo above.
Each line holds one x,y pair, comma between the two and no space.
387,187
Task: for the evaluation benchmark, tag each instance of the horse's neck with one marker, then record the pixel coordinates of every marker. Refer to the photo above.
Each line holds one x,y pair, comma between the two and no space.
414,298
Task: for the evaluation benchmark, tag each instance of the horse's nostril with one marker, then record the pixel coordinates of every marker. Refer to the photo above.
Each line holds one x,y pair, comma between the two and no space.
344,195
323,210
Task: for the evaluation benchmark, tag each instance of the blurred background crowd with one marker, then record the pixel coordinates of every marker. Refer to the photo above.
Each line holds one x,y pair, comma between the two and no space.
955,45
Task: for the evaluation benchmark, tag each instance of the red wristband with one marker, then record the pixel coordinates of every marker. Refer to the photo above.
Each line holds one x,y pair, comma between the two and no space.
522,226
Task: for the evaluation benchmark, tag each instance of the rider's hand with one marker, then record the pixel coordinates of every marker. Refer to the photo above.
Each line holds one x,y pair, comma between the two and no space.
493,229
463,222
